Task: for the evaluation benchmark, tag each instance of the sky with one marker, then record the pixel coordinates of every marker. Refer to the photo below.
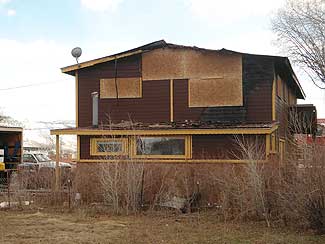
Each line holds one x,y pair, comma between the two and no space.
36,38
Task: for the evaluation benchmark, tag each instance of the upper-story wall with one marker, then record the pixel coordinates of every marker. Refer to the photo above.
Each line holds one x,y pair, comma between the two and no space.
179,84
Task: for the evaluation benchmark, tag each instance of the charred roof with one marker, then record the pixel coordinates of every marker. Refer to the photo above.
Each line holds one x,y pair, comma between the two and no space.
281,64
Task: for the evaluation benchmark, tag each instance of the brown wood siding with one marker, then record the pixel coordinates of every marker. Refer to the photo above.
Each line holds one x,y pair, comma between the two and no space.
182,111
258,75
152,107
282,112
88,82
84,147
221,146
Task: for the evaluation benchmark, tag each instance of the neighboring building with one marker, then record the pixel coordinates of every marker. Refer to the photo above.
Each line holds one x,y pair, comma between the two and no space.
11,139
169,103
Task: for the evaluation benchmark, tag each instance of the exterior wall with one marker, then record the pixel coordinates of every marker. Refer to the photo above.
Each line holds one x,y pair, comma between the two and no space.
203,147
282,103
224,146
88,82
154,106
258,78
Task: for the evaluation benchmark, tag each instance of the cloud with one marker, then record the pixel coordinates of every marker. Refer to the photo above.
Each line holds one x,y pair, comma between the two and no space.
4,1
11,12
231,9
35,63
101,5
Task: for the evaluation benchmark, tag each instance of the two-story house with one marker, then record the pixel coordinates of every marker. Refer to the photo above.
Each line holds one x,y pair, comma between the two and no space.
167,103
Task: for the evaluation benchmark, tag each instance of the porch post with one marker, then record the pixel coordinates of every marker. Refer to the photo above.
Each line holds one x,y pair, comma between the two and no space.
57,166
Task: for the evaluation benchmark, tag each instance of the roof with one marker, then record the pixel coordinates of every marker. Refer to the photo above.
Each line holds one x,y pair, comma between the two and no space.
283,61
186,127
10,129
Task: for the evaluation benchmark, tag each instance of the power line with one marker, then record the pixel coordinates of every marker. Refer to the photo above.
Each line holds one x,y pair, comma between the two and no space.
29,85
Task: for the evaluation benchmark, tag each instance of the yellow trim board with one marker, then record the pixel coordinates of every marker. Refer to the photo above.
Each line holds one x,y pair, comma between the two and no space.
171,84
267,145
273,100
197,161
77,97
97,61
78,147
100,132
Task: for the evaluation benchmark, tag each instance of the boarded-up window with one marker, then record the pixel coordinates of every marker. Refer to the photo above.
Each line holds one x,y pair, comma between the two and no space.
126,88
168,63
215,79
215,92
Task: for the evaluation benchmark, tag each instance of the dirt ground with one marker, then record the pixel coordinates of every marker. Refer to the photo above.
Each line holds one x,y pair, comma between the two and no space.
55,227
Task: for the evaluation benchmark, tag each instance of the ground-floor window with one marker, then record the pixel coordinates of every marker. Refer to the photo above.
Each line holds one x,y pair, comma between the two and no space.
109,146
161,146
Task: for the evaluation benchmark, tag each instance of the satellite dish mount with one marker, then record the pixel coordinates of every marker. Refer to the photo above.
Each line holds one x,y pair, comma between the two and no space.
76,53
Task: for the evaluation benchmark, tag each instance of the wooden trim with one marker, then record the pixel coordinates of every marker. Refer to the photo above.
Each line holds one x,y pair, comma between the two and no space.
171,84
273,143
99,132
78,148
282,144
234,161
267,145
77,97
94,141
273,100
186,155
11,129
57,163
97,61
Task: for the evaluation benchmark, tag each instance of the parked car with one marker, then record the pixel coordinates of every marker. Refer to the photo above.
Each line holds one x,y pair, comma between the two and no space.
40,160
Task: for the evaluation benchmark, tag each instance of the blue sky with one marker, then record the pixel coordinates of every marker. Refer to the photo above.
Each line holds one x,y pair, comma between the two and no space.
36,37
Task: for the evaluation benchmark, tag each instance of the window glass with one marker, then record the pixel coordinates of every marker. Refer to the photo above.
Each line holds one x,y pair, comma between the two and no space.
42,158
109,146
28,158
160,146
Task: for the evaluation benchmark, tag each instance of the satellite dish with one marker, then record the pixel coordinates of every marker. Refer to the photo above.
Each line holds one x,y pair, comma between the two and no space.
76,53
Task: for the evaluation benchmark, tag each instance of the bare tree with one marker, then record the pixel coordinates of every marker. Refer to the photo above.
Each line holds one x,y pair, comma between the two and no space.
300,29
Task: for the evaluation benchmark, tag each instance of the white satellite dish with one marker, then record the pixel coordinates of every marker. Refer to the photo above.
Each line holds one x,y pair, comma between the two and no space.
76,53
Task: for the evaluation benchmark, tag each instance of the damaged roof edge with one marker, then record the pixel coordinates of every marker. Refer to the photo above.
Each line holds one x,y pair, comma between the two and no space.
134,51
294,77
162,43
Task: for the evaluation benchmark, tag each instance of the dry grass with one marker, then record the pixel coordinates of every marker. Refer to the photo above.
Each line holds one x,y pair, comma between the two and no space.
157,227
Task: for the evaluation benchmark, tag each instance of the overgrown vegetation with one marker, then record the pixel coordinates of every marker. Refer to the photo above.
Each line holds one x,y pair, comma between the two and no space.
290,193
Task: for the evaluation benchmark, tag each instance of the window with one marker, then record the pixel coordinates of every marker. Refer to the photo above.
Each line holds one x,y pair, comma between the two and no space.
28,158
108,146
162,147
126,88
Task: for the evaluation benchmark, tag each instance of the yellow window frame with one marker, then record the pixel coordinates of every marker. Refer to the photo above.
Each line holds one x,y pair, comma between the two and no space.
186,155
94,142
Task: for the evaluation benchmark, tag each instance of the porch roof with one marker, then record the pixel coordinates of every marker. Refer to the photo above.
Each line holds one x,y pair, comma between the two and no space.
187,127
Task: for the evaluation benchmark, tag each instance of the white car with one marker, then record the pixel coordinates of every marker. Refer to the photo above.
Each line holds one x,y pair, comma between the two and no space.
40,160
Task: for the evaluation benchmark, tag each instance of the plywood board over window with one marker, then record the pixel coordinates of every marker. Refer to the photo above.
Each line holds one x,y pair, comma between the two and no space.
215,79
126,88
169,63
214,92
